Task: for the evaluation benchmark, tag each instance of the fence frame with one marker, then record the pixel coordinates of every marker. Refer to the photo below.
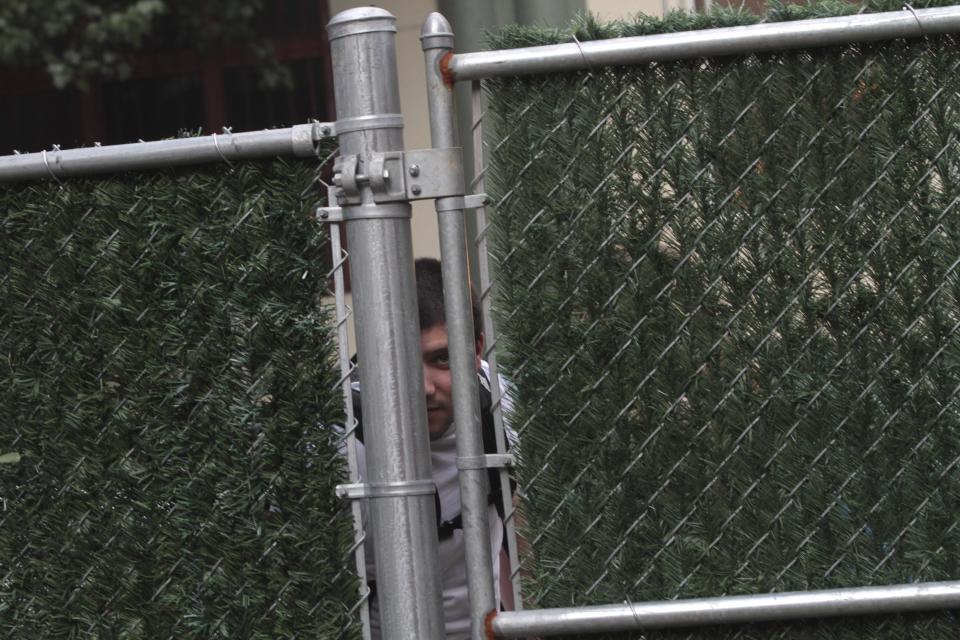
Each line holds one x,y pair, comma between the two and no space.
776,36
297,141
576,56
399,488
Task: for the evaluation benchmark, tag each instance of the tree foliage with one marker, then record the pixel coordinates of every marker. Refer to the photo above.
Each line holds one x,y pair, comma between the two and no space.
76,41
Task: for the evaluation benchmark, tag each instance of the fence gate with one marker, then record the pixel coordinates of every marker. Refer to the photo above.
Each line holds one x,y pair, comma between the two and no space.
725,285
722,265
164,470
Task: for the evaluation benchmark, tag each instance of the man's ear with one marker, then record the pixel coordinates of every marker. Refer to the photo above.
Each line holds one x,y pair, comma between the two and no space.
479,353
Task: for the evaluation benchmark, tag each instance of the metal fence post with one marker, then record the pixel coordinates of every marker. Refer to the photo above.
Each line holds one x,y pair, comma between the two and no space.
402,513
437,40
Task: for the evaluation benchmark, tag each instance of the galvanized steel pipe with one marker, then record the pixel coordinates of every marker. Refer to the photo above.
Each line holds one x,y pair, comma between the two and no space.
403,527
437,42
697,612
227,147
820,32
490,343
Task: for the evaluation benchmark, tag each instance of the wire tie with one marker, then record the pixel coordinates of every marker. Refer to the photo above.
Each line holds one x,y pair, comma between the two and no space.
907,7
582,54
633,612
216,145
46,162
233,141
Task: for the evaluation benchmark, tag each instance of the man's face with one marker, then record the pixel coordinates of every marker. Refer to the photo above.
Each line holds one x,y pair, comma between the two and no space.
436,378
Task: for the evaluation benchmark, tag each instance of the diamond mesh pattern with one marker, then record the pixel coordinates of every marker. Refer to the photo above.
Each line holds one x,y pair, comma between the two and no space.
165,365
726,294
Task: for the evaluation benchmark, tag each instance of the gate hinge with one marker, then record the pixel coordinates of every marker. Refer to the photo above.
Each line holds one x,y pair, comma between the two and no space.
394,176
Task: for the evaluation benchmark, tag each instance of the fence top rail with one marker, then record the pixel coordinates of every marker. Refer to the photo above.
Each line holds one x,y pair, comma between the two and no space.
818,32
298,141
763,607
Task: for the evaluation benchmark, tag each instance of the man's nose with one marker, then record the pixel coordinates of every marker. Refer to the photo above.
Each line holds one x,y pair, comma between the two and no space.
429,388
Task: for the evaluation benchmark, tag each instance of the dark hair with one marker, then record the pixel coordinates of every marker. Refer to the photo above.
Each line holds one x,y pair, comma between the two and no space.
429,275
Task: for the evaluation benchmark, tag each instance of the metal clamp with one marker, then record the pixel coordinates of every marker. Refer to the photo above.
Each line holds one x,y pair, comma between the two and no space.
304,138
386,176
368,123
321,130
486,461
399,489
394,176
379,212
475,201
338,214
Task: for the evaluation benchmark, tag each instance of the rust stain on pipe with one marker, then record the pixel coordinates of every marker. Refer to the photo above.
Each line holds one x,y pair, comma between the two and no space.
445,71
488,624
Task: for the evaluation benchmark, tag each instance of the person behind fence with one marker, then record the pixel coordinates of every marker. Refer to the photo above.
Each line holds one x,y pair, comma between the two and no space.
441,427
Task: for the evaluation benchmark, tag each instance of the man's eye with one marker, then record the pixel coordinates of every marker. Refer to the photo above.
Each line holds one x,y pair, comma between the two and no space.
442,360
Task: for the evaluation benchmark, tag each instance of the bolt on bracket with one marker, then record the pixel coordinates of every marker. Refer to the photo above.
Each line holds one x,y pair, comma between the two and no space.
323,130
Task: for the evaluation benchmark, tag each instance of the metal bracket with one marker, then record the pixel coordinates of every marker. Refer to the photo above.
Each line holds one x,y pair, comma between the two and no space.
475,201
486,461
384,167
398,489
368,123
335,214
323,130
386,176
304,138
434,173
394,176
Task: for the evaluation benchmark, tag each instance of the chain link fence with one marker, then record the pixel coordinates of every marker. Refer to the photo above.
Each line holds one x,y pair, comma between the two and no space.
726,295
166,372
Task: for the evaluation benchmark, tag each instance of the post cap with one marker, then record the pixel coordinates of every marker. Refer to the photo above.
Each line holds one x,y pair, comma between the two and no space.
436,32
360,20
